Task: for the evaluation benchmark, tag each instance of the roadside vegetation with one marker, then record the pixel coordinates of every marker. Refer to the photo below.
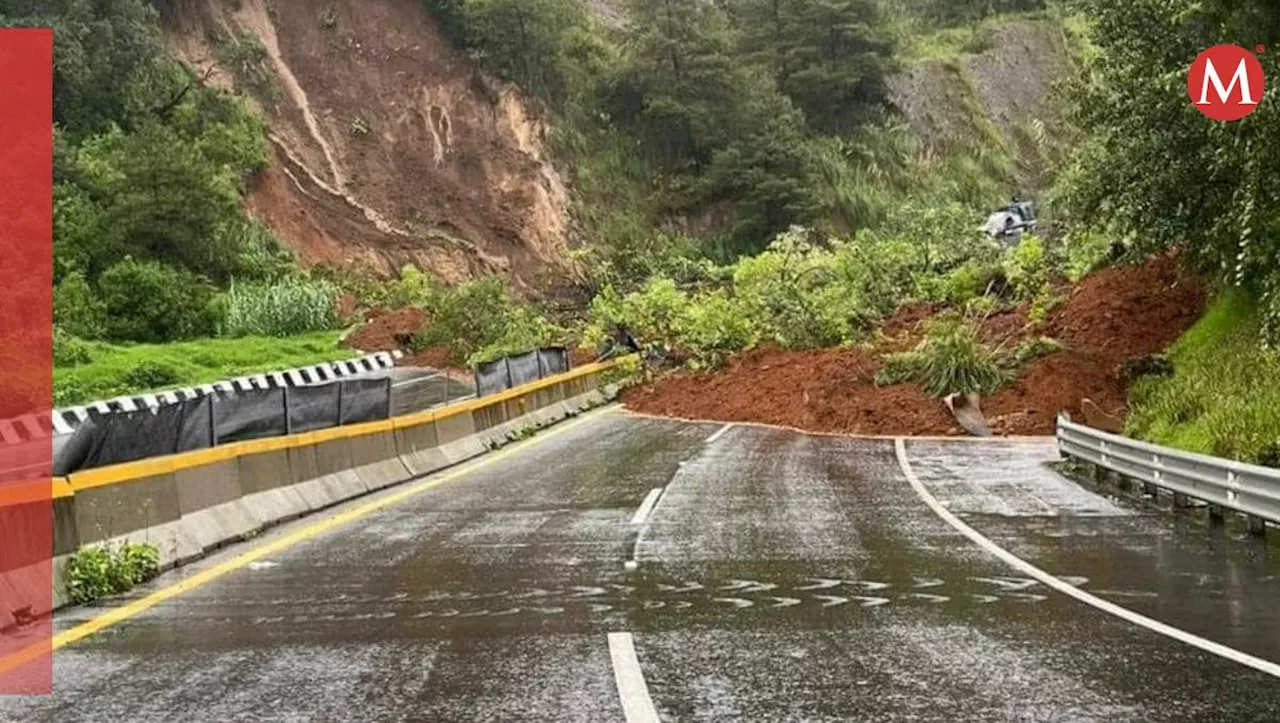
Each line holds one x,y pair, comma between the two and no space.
86,371
99,571
152,245
1223,393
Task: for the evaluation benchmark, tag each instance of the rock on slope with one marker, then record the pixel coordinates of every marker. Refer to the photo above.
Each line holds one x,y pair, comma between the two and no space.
388,146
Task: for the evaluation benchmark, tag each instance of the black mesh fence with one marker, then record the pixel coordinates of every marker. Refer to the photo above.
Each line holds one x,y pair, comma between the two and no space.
503,374
492,377
523,368
365,400
250,415
552,361
312,408
106,439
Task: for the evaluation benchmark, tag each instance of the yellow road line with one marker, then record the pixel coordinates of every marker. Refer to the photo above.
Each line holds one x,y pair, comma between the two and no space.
264,549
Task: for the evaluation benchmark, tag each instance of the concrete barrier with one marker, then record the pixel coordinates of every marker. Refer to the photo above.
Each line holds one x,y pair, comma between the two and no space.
190,504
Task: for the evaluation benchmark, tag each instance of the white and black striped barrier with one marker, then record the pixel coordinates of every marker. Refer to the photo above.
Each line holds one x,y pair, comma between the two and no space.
66,421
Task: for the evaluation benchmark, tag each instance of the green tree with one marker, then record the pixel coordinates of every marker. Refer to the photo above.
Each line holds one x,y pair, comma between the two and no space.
831,57
1157,170
77,309
683,85
524,40
148,301
102,49
164,197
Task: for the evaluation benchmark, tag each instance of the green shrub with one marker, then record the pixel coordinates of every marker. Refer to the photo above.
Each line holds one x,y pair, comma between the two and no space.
1045,303
524,331
712,328
950,360
900,368
76,308
246,58
259,256
793,295
69,350
287,307
411,289
96,572
480,319
626,372
1032,349
1028,268
148,301
151,375
1087,251
971,281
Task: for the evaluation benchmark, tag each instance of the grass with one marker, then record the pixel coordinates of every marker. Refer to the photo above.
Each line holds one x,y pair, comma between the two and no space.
114,370
951,359
1223,398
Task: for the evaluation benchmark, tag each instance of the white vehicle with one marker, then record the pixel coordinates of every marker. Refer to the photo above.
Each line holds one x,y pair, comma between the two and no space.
1009,223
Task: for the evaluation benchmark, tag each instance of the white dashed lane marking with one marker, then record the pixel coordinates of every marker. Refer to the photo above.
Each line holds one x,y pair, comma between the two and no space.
637,706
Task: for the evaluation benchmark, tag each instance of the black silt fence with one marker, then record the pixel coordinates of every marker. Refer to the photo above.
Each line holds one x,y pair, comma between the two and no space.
107,439
503,374
492,377
523,368
364,400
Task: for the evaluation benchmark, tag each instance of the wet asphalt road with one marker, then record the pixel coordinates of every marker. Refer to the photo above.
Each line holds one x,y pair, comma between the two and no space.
780,577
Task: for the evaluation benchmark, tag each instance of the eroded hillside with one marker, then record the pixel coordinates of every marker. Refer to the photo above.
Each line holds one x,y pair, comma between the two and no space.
389,147
1003,94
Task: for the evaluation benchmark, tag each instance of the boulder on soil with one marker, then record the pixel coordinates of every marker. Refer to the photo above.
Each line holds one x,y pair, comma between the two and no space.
967,409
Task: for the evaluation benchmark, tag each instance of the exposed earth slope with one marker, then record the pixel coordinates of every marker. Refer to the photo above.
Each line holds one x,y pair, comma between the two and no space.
390,147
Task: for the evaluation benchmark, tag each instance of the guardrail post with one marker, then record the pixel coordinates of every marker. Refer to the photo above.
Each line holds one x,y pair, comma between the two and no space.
1257,526
213,424
1151,489
1180,500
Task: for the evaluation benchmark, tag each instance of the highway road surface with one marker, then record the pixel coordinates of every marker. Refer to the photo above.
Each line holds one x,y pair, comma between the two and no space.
620,568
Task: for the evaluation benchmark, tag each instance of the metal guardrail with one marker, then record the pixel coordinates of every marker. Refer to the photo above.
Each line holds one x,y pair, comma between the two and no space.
1250,489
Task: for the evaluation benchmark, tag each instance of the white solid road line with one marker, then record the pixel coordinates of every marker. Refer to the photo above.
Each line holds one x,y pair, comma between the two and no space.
636,703
719,433
646,507
1070,590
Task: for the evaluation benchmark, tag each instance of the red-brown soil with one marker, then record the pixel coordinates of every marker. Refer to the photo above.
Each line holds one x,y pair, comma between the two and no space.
388,145
386,330
1112,316
581,356
437,357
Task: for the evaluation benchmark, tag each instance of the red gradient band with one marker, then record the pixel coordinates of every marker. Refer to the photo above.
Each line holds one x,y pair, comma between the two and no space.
26,324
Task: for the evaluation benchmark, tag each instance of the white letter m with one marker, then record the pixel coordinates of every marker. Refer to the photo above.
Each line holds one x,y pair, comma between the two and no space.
1241,77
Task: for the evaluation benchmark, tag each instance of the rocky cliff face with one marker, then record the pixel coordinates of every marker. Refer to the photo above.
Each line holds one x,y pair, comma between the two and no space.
389,146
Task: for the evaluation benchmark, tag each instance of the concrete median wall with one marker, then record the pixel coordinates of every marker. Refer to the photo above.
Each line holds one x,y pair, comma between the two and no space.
189,505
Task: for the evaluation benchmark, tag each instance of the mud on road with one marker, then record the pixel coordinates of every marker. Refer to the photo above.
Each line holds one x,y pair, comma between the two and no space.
1114,315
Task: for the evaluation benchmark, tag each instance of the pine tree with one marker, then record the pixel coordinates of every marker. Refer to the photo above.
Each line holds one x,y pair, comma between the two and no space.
830,57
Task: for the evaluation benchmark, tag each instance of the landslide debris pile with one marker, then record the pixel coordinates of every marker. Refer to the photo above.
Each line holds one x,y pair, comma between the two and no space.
1113,316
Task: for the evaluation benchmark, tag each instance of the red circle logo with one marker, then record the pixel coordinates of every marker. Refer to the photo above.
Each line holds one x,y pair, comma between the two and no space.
1226,82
